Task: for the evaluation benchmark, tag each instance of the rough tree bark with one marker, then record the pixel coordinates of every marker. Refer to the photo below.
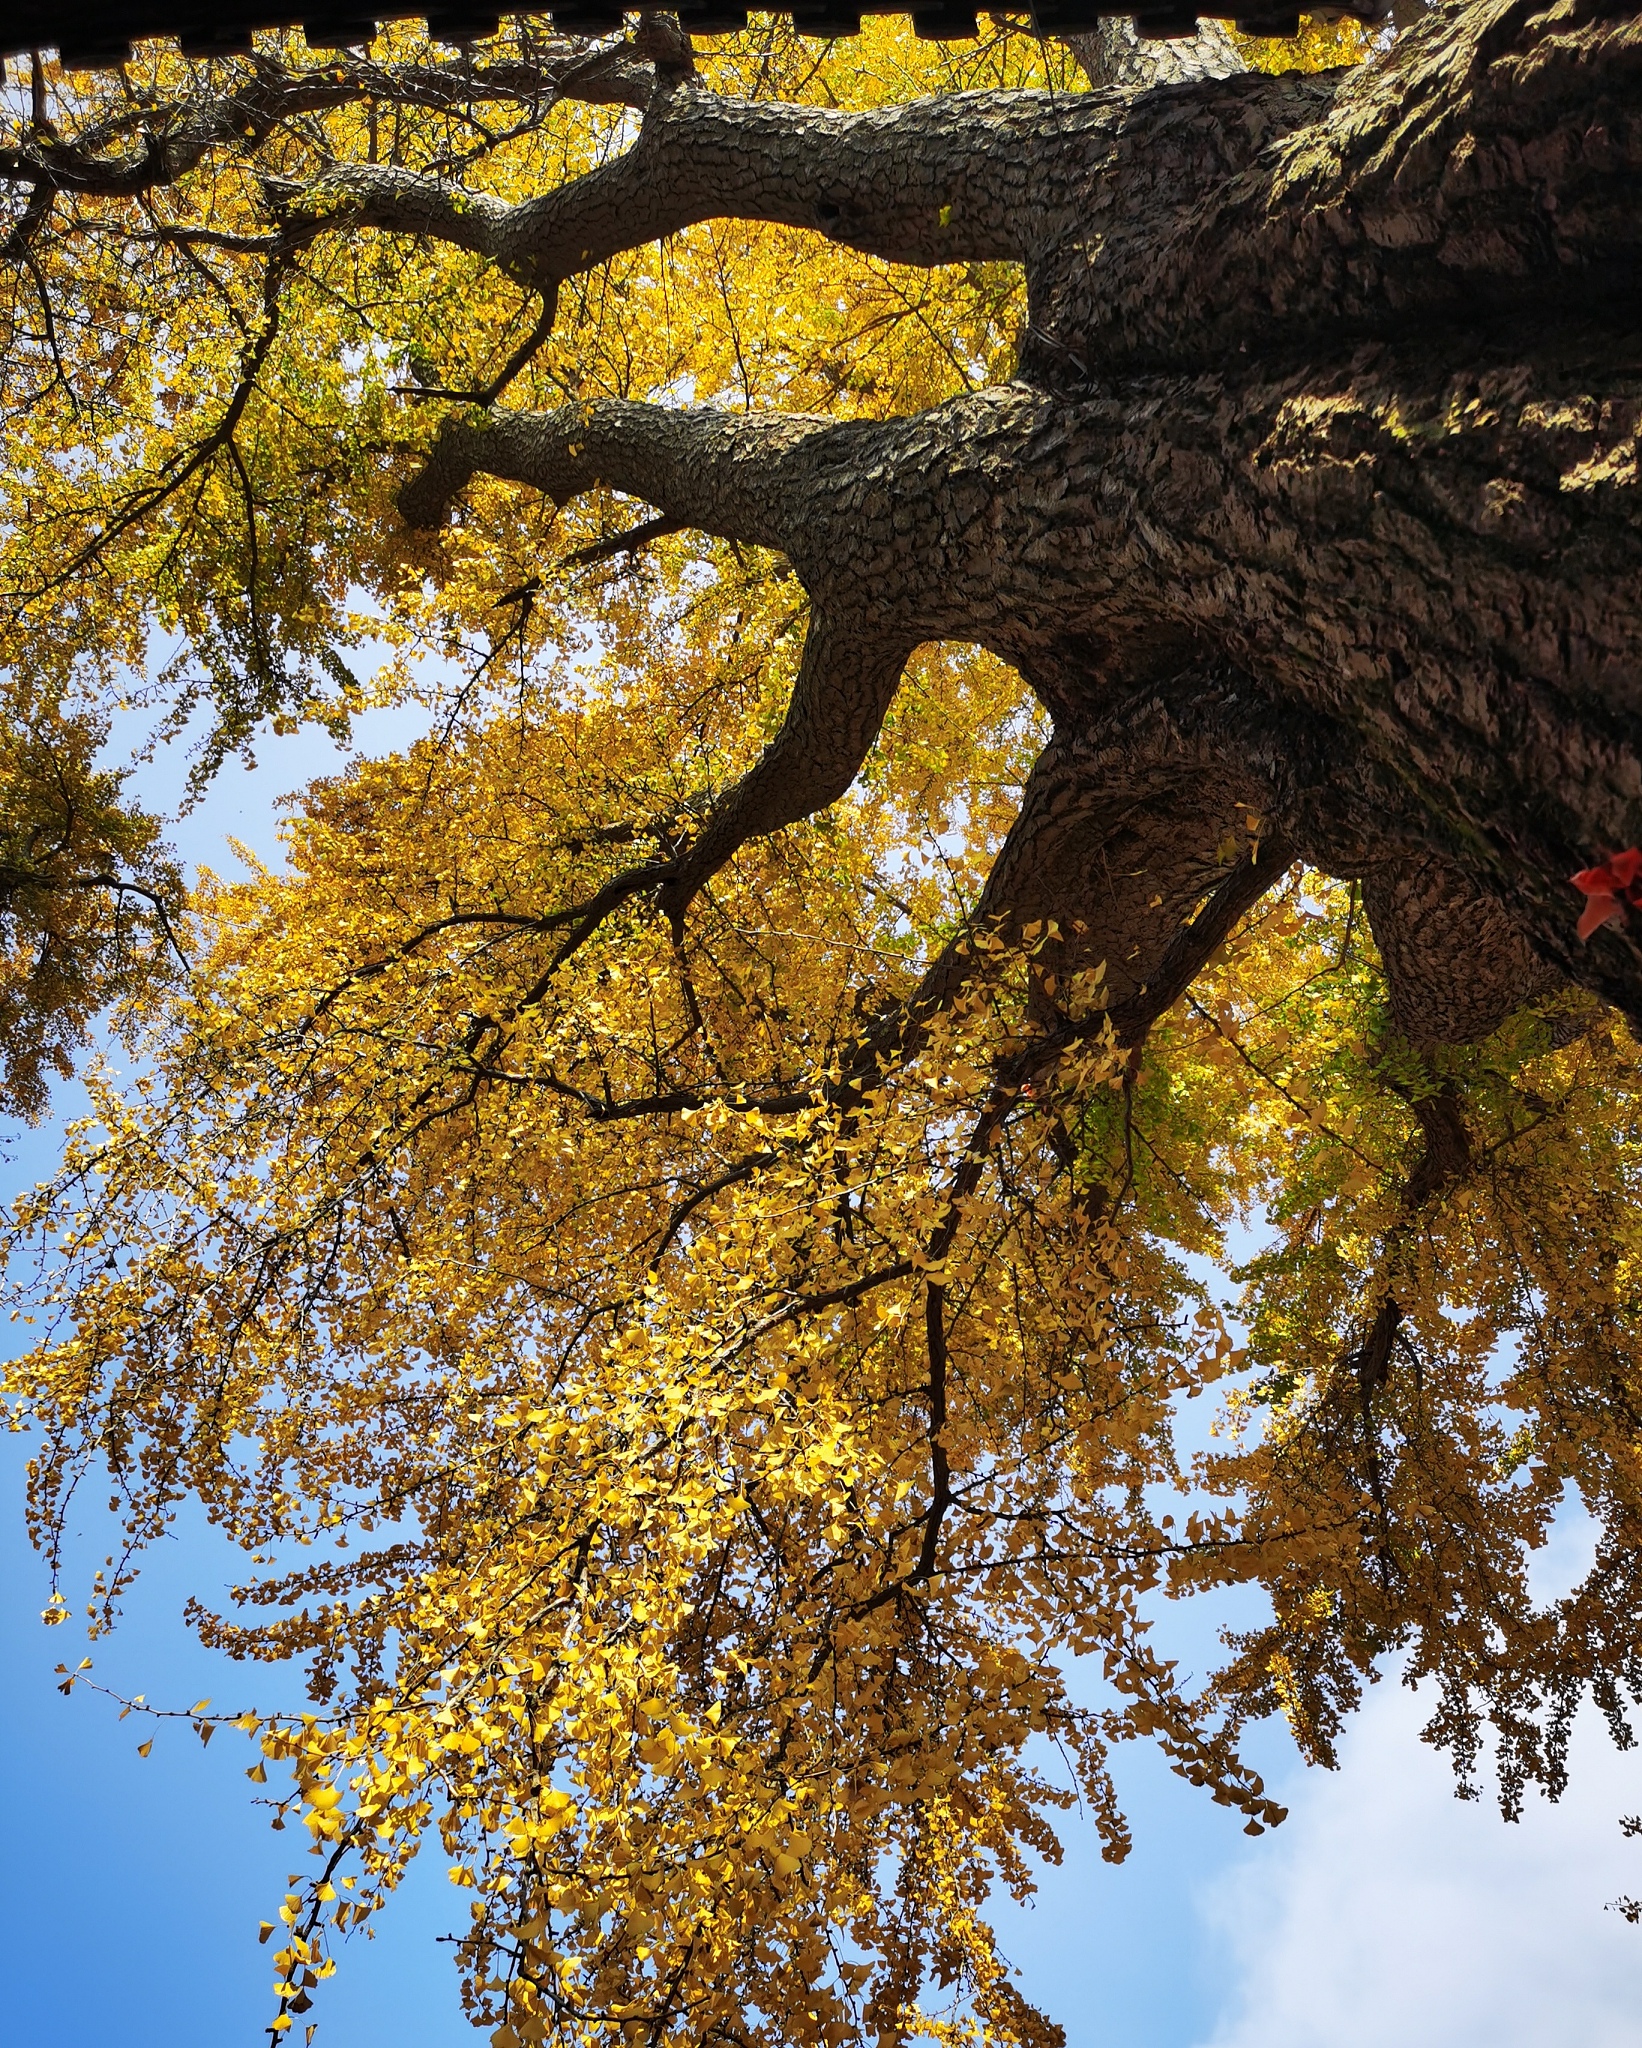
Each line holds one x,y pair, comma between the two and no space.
1314,497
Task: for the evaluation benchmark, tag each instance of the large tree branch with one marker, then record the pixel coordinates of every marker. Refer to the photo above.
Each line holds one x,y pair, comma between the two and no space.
847,680
1489,158
1123,839
937,181
721,472
958,178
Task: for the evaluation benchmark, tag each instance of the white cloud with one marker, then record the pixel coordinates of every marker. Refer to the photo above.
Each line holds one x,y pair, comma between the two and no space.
1388,1912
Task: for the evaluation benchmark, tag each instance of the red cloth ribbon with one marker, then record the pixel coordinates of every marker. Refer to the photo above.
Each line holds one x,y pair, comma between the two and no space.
1608,889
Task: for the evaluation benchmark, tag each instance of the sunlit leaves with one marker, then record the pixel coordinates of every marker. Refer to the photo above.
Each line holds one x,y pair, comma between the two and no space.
86,895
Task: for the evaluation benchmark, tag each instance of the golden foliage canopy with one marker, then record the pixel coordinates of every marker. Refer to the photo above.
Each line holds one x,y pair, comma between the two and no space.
686,1404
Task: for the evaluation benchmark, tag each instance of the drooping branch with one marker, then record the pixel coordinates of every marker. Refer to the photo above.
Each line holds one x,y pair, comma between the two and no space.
1125,828
1192,947
188,462
138,148
725,474
846,682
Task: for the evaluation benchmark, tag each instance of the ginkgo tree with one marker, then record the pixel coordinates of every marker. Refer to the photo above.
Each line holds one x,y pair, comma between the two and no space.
1020,643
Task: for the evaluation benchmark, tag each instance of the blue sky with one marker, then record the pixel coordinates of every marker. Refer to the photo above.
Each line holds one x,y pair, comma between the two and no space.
1384,1912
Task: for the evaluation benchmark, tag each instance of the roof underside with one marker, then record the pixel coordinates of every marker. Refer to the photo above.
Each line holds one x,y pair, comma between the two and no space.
98,34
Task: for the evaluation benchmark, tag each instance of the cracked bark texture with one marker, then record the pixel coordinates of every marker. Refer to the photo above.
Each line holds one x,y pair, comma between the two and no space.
1315,494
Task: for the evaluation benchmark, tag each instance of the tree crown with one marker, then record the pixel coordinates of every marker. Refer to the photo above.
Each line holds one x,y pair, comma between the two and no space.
688,1232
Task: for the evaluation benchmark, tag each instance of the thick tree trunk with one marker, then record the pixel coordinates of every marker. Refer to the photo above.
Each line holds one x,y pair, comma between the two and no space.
1316,495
